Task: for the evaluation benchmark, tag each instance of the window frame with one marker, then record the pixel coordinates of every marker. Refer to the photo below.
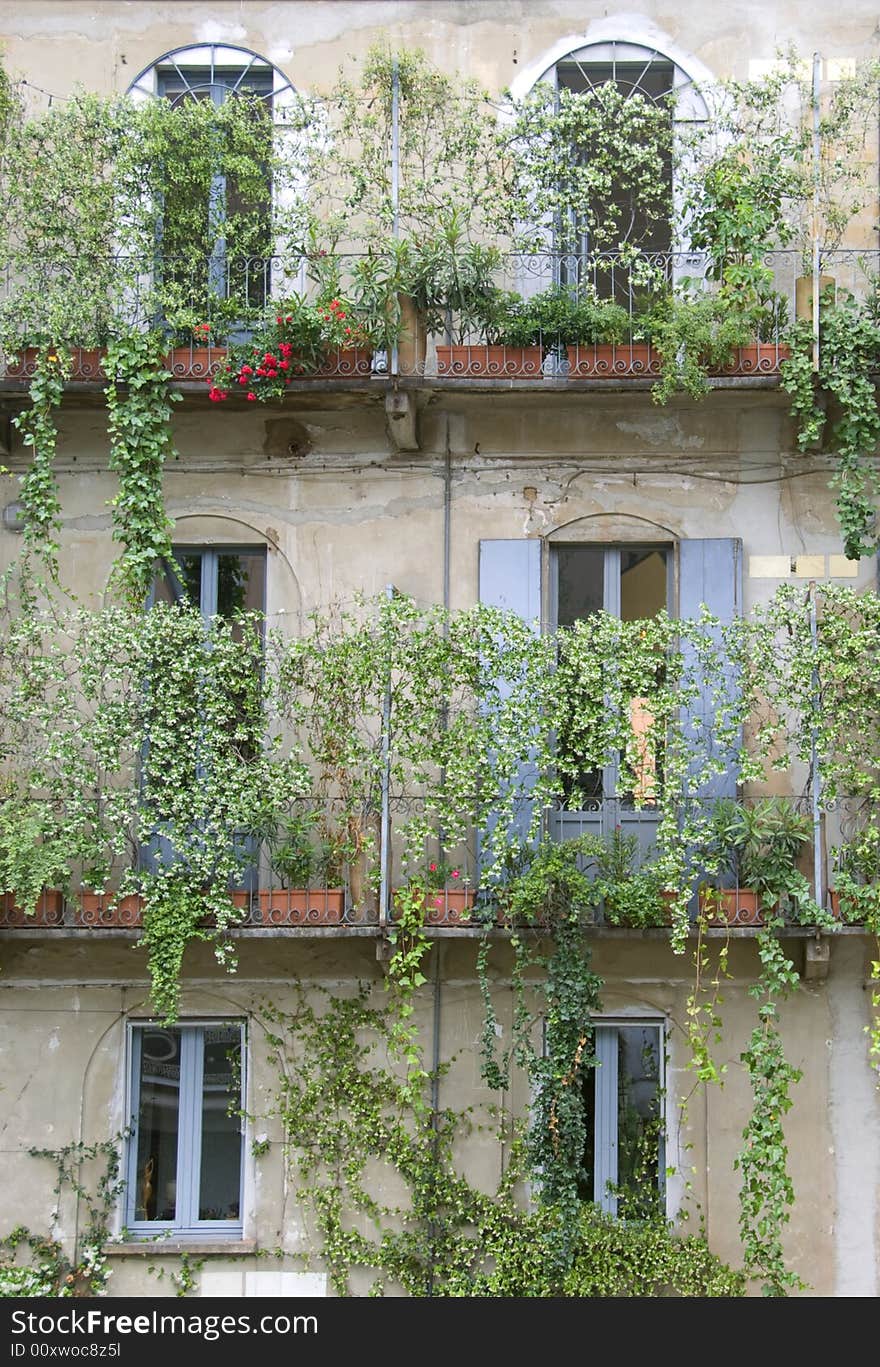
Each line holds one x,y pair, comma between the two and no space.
188,1160
208,587
606,1131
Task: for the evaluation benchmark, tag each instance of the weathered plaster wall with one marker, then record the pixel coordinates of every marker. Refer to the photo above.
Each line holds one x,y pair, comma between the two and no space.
64,1005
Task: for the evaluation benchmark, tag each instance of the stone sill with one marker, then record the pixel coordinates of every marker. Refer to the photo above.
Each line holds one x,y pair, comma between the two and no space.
158,1248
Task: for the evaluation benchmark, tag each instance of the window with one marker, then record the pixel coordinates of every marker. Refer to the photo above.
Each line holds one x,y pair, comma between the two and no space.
186,1147
643,222
624,1160
220,581
632,582
195,225
641,64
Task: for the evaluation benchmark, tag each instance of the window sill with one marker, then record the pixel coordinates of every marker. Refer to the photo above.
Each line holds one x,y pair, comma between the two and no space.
156,1248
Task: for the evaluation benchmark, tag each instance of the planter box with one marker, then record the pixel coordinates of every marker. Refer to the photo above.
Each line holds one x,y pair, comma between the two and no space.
762,358
86,364
731,906
490,362
301,906
100,909
195,362
450,907
185,363
343,364
49,911
607,362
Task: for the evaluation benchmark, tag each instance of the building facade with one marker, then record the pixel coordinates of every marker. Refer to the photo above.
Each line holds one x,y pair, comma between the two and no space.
547,489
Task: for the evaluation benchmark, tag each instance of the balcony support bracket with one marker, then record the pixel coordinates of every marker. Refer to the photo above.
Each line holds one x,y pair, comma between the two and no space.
817,957
401,420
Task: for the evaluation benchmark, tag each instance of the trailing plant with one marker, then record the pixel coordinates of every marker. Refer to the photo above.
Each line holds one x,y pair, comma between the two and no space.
90,1174
342,1108
140,404
767,1192
38,428
849,356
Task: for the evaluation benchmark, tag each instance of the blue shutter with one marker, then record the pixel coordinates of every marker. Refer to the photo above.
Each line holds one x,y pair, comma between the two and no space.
710,572
510,578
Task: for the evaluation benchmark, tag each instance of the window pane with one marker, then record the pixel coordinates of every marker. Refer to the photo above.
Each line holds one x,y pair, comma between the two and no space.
158,1125
581,582
241,580
638,1120
642,582
220,1167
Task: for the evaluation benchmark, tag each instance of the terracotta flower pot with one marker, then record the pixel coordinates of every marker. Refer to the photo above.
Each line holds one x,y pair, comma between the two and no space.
762,358
100,909
603,361
194,362
49,910
490,362
449,907
344,363
87,363
731,906
301,906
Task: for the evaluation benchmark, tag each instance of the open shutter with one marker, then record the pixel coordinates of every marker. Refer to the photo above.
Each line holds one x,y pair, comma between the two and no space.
510,578
710,572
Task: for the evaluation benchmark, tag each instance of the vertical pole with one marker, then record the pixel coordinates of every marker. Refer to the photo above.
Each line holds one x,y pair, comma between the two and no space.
817,62
395,176
815,777
385,819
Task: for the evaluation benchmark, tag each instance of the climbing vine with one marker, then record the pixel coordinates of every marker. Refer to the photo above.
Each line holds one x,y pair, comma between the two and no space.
34,1264
38,428
140,405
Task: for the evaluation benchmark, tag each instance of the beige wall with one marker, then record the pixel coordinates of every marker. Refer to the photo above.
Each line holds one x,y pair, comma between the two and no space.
355,513
65,1004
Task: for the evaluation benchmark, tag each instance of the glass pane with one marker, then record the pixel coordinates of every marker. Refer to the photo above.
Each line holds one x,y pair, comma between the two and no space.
158,1125
220,1168
642,582
241,579
580,582
586,1175
638,1120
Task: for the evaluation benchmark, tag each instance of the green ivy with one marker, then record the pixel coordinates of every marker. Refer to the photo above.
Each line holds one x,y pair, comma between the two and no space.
139,403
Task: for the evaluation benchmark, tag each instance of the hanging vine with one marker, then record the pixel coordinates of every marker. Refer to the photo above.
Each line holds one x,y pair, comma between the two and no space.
140,405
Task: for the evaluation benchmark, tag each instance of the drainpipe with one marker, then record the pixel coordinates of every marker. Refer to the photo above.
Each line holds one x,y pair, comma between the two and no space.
438,944
817,62
385,822
395,177
815,779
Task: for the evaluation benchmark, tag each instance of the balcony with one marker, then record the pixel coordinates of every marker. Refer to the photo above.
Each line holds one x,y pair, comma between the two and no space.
488,340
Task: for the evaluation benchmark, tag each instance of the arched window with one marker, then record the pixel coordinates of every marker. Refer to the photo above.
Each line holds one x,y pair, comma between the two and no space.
218,73
641,65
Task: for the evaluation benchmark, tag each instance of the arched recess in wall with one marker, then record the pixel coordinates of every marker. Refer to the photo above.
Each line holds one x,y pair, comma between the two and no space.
641,60
283,595
621,562
218,72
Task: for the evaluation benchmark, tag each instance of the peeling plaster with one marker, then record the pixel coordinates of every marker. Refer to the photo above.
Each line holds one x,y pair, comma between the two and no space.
661,431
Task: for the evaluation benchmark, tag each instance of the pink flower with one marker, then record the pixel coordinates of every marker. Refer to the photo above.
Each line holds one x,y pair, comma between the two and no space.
438,901
455,873
251,397
432,868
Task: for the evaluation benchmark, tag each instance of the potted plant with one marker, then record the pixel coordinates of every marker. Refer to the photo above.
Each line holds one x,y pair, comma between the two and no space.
298,339
548,883
308,870
444,892
855,897
756,846
632,894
